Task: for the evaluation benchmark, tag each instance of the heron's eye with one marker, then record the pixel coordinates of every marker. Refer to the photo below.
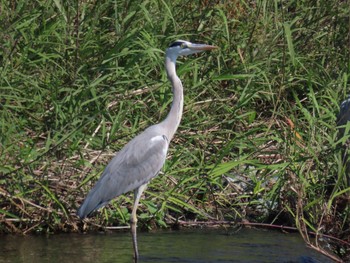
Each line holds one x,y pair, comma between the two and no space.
183,45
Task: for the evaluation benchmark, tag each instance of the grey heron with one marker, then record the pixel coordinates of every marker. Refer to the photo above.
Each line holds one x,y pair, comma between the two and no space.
142,158
344,115
342,119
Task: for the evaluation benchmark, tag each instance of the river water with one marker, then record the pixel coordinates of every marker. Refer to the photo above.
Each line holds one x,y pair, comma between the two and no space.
192,246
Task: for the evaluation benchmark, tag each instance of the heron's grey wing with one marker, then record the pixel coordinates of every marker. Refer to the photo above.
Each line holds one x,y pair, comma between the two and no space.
136,164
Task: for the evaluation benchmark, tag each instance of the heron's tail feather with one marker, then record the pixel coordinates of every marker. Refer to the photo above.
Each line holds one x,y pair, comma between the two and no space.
92,202
86,209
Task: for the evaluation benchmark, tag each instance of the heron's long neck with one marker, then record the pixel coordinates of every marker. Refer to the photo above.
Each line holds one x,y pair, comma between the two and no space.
173,119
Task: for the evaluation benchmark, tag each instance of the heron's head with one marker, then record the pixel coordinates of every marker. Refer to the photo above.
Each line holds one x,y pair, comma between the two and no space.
185,48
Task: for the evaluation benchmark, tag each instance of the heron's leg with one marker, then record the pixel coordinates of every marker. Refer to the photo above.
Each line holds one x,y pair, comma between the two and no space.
133,221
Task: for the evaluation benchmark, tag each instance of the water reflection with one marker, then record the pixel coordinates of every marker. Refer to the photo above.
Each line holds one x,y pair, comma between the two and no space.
195,246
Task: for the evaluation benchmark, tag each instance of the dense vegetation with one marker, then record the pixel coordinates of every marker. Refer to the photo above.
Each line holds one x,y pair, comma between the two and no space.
258,141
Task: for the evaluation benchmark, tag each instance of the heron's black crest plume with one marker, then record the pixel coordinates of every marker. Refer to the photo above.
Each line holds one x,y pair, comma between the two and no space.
177,43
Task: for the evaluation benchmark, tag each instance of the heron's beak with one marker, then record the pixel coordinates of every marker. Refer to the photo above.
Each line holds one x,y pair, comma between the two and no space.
201,47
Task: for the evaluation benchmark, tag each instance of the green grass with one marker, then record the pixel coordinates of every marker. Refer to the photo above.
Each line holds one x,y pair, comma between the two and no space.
258,139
